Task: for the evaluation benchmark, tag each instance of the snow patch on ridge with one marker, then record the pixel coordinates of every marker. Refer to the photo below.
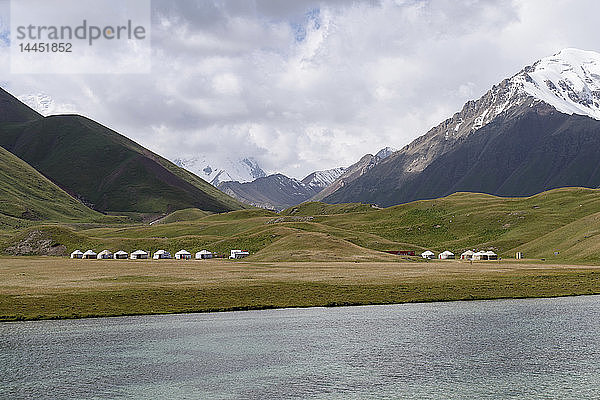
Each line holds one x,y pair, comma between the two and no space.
569,81
215,171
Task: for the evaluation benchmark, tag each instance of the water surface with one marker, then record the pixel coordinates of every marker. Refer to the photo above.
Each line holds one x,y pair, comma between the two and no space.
503,349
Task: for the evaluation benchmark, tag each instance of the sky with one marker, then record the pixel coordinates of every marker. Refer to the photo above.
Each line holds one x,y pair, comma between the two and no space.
307,85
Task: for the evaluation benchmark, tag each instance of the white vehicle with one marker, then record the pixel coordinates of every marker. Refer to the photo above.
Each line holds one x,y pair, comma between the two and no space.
235,254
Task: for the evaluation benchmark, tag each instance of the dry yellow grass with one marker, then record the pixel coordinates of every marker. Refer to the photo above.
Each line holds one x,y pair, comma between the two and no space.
47,287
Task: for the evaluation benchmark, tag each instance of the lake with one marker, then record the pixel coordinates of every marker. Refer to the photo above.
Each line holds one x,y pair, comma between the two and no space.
502,349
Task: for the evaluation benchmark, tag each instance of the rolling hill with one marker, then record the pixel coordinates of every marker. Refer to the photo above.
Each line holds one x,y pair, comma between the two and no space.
27,196
105,170
561,220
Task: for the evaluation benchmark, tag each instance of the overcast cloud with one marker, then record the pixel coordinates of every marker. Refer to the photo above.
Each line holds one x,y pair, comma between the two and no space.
306,85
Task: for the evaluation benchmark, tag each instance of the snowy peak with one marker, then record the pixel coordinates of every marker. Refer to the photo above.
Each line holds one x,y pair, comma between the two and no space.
385,152
321,179
216,171
569,81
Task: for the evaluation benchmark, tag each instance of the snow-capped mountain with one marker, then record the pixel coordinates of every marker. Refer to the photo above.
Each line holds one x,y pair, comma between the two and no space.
531,132
216,171
274,192
569,81
321,179
385,152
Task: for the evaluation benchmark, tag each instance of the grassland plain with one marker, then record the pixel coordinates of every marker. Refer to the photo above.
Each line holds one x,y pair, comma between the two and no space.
309,255
51,287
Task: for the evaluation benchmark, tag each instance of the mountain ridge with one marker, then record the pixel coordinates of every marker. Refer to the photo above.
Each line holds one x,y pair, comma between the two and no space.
101,167
401,177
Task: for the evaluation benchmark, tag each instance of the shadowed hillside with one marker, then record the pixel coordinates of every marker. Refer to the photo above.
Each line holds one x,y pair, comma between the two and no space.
102,168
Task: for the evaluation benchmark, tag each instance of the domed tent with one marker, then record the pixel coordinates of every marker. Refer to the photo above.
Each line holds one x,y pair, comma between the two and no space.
183,255
90,254
446,255
467,255
77,254
203,255
121,255
428,254
105,255
139,255
161,255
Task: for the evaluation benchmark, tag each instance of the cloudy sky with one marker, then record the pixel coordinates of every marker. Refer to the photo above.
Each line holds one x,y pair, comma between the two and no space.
304,85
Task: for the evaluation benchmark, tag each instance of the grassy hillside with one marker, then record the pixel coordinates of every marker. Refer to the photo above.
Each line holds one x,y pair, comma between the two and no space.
27,196
12,110
187,214
107,170
564,220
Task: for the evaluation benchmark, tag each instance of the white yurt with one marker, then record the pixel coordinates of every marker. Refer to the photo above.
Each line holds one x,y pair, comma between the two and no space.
90,254
104,255
480,255
446,255
77,254
467,255
121,255
183,255
491,255
139,255
161,255
203,255
428,254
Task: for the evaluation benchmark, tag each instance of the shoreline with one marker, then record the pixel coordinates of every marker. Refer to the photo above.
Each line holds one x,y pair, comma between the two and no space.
263,308
51,289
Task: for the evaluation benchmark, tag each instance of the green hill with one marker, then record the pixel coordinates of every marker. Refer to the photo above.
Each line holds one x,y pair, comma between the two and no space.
564,220
104,169
12,110
187,214
26,195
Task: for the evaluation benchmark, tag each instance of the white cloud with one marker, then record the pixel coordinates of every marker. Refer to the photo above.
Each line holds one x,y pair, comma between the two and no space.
308,85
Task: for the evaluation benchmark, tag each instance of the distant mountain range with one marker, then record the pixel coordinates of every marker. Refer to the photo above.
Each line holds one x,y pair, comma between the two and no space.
277,191
99,167
216,171
354,172
532,132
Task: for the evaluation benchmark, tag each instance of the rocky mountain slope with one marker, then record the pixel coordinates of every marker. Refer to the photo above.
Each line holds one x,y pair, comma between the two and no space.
319,180
355,171
274,192
277,191
534,131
